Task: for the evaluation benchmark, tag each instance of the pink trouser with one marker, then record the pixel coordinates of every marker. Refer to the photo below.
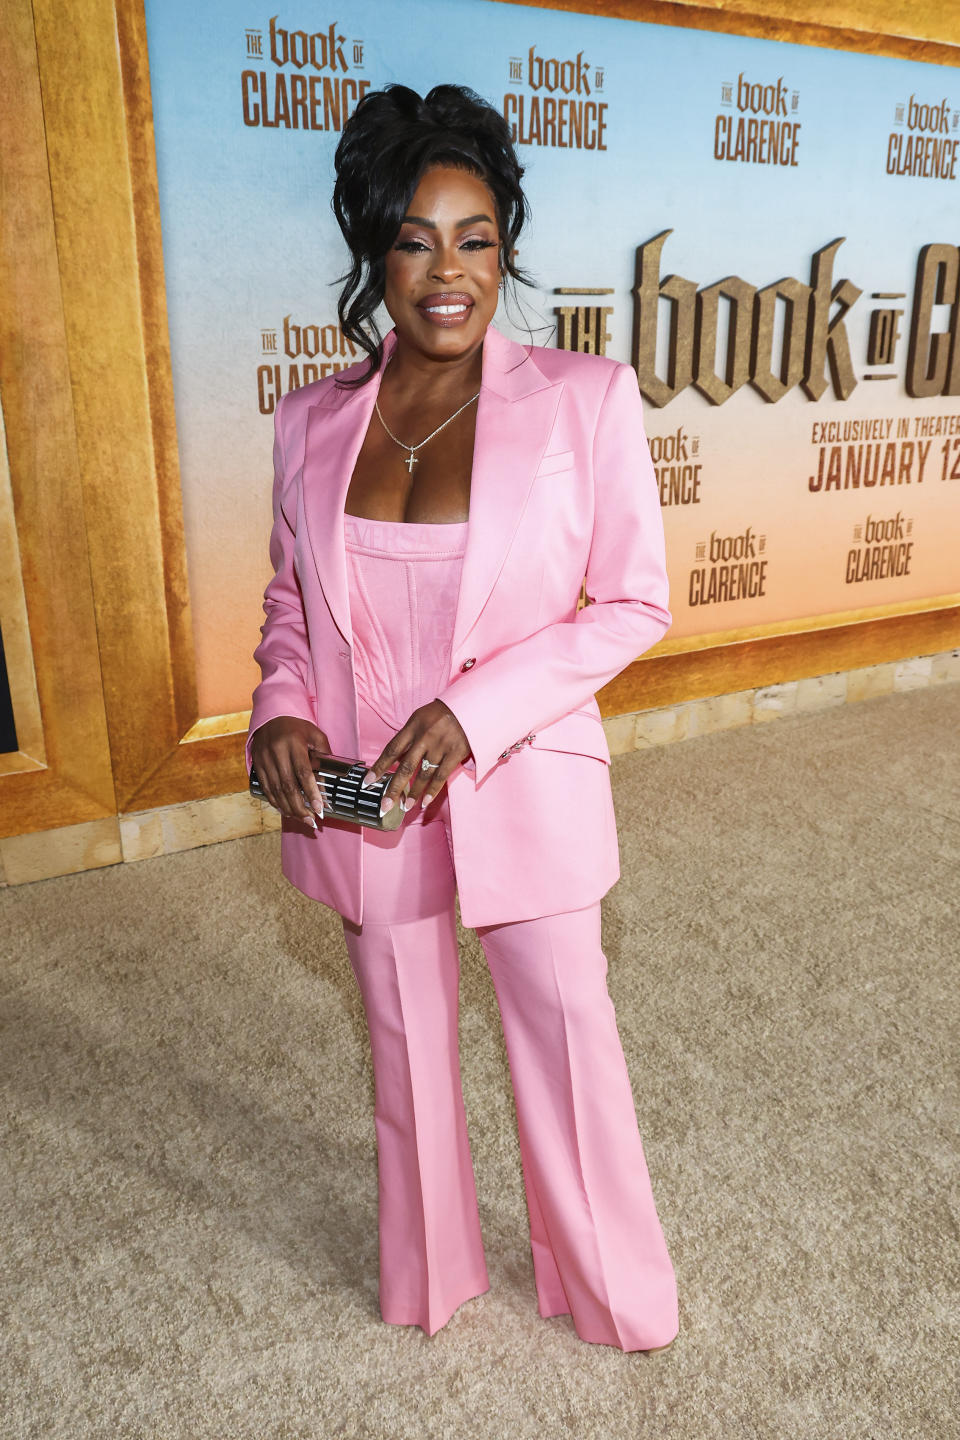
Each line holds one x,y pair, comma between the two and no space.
599,1253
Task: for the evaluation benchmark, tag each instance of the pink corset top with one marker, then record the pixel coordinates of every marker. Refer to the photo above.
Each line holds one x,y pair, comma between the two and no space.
403,580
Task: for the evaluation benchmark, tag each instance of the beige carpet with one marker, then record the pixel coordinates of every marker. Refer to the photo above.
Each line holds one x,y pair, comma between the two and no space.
188,1191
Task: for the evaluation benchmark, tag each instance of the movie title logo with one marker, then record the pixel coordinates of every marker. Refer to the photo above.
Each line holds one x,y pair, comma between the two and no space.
756,124
583,327
676,467
732,567
309,87
881,550
311,352
925,140
556,102
811,348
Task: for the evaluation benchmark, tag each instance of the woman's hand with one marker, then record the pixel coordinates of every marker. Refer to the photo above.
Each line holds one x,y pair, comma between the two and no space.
434,732
280,752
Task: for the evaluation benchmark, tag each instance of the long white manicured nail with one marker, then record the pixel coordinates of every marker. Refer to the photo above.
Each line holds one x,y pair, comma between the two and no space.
369,779
385,805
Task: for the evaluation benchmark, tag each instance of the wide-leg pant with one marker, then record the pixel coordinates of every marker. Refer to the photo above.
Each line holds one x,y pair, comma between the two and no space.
598,1249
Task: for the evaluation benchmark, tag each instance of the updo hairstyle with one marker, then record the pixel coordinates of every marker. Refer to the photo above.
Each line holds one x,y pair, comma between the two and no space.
392,138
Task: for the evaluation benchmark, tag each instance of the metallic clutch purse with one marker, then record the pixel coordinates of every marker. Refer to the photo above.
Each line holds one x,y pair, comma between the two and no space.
343,799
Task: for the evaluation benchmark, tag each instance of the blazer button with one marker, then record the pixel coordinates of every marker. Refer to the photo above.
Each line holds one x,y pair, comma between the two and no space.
468,664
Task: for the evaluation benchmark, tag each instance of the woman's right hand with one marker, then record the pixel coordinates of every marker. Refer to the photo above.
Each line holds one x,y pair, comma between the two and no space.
280,752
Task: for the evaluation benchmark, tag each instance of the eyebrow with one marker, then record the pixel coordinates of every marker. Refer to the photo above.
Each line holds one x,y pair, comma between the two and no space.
432,224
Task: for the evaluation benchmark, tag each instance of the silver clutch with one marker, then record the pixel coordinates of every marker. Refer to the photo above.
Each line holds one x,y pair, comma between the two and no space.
343,797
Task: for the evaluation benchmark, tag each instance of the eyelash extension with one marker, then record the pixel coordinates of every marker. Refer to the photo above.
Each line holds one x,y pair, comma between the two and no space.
416,246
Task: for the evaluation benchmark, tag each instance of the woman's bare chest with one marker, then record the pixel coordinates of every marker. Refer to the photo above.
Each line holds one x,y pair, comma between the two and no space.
431,485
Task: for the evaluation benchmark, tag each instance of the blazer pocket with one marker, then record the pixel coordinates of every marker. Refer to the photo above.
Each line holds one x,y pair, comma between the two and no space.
553,464
579,733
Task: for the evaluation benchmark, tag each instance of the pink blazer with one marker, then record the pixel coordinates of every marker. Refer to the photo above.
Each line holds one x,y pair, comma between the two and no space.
562,488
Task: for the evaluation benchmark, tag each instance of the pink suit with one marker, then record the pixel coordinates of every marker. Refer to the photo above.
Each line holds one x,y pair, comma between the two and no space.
562,488
415,599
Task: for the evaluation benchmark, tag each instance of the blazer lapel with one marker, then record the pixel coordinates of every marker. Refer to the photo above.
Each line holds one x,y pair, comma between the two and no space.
336,426
515,414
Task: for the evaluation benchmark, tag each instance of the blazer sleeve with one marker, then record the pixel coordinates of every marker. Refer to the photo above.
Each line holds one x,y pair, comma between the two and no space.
283,654
529,684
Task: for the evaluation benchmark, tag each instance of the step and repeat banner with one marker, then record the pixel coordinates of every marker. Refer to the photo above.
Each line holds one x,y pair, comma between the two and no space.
768,232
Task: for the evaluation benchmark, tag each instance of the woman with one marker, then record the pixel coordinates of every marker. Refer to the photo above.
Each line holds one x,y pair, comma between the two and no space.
436,509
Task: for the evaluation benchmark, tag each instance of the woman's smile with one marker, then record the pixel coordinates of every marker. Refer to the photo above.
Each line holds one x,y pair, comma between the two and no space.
446,309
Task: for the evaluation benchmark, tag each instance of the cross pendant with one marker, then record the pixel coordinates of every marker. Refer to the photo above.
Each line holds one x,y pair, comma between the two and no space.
410,462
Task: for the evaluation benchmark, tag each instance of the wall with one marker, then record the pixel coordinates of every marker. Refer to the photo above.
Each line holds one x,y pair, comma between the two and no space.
100,633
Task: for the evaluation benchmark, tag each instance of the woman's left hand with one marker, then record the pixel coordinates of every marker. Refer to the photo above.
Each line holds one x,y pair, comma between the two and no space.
433,732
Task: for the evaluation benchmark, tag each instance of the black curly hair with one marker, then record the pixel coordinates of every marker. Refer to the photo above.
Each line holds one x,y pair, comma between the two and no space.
390,140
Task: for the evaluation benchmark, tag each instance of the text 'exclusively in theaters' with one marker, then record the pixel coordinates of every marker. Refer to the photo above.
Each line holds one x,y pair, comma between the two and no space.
867,455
